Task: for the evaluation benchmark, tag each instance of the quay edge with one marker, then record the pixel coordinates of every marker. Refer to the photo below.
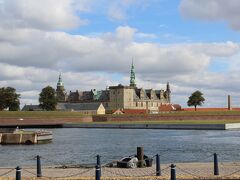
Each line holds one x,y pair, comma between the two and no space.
158,126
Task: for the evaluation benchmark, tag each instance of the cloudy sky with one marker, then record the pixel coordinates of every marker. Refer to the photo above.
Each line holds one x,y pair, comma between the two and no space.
193,44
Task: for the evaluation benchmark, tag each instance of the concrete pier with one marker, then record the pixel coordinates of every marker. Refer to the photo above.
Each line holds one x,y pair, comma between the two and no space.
9,138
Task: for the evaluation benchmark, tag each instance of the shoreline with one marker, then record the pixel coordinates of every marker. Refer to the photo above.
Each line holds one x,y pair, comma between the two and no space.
105,125
158,126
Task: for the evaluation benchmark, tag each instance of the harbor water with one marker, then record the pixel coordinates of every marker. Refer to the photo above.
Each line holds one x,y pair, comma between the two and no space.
76,146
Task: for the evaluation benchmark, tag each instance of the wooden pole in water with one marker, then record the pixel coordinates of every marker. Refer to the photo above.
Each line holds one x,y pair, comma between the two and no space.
140,155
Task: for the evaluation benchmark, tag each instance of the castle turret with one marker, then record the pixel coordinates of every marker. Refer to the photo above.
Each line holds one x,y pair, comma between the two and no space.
168,93
132,77
60,84
60,91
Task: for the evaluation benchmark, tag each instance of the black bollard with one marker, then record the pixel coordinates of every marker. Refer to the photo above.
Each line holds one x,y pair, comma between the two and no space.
216,171
140,156
39,169
99,163
158,168
173,172
18,173
98,173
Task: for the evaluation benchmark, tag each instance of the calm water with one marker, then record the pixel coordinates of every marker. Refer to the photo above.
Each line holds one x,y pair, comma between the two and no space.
80,146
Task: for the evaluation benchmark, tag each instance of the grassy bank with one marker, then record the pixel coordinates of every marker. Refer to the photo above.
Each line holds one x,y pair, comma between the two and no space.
61,114
39,114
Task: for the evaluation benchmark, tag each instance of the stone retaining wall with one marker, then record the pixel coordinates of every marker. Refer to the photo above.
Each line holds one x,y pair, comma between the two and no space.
42,121
116,118
13,122
8,138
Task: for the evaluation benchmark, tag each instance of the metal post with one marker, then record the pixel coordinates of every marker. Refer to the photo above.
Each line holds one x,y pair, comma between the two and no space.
229,103
140,155
173,172
18,173
98,173
158,168
39,169
216,171
99,163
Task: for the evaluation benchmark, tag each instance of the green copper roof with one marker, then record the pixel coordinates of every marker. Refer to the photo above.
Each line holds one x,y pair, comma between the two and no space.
96,94
132,77
60,82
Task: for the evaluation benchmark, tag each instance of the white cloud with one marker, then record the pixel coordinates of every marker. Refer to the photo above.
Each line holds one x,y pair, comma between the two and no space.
37,56
212,10
118,9
33,50
44,14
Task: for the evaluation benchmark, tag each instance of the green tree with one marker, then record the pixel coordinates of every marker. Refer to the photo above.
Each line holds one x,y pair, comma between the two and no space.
196,99
9,99
48,99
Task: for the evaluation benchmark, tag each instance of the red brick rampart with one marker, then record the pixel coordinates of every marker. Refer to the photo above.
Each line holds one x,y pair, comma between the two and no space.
110,118
42,121
119,118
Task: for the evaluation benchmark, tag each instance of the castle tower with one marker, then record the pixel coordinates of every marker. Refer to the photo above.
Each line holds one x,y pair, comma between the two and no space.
168,93
60,91
132,76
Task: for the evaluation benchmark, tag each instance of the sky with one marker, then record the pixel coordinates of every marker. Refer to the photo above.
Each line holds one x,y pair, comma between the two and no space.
192,44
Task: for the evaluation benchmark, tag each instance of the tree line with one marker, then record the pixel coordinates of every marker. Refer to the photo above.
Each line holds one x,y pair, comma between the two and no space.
10,99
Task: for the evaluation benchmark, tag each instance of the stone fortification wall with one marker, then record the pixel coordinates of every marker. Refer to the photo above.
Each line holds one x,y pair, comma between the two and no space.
13,122
8,138
11,138
119,118
43,121
29,138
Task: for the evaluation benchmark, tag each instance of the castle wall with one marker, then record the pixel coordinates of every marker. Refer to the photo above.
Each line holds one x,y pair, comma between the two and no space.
116,99
123,98
128,98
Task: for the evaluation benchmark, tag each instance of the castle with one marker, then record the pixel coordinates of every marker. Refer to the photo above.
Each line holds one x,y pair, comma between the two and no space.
118,97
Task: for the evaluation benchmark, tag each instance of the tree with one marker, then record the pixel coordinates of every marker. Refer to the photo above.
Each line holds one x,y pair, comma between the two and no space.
196,99
48,99
9,99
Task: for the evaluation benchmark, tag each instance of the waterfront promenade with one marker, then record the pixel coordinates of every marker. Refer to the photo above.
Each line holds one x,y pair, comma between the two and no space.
183,171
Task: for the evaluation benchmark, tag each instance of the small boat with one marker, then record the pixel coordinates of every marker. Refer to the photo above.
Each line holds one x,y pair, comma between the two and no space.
21,136
44,136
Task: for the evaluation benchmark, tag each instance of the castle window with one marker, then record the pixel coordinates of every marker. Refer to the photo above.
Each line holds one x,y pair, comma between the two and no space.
136,104
152,104
141,104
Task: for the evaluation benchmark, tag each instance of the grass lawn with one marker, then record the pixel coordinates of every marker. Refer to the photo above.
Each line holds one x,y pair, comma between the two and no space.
39,114
62,114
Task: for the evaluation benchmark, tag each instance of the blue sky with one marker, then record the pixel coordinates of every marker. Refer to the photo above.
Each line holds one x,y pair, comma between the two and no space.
162,18
192,44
